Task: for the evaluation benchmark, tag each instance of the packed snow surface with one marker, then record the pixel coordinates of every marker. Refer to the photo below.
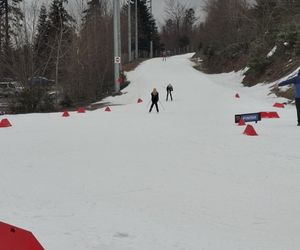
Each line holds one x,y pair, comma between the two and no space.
186,178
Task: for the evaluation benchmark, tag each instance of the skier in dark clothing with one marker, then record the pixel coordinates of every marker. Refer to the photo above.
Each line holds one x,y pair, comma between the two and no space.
154,99
296,81
164,55
169,92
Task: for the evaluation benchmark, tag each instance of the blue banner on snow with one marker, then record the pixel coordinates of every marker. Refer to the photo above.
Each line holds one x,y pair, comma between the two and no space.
251,117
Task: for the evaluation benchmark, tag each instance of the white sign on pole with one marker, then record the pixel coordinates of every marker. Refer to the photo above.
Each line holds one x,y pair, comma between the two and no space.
118,59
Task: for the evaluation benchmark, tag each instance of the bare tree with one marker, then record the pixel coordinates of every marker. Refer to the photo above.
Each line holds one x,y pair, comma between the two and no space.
178,31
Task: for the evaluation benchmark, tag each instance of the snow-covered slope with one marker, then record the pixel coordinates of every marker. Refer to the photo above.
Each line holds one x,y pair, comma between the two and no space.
186,178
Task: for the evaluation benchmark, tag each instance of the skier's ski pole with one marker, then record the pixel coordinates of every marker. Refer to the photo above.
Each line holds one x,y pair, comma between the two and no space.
148,104
162,106
147,107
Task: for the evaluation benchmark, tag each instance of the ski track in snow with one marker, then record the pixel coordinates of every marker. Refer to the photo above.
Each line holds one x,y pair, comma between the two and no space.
186,178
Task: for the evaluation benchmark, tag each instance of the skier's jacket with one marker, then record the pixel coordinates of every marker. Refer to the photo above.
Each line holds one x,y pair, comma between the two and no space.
154,97
296,81
169,88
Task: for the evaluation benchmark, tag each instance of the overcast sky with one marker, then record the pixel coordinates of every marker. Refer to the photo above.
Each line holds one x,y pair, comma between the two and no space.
159,6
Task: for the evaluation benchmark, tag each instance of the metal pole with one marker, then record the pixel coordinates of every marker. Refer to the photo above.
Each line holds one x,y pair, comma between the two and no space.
136,31
116,46
151,49
129,31
151,42
119,32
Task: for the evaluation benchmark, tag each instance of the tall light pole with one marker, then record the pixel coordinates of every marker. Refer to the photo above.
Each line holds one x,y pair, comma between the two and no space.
119,32
151,42
129,30
136,31
117,56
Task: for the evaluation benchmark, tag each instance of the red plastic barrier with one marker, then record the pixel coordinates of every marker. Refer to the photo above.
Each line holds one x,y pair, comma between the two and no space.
81,110
107,109
5,123
278,105
264,114
242,122
66,114
269,114
273,115
250,131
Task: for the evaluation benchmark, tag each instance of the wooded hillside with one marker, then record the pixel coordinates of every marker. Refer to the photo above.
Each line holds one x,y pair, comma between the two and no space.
264,37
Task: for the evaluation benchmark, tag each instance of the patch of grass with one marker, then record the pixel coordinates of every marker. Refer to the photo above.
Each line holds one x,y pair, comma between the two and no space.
133,65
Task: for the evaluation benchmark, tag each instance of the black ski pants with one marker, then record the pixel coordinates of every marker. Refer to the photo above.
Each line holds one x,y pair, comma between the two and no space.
169,93
154,103
297,101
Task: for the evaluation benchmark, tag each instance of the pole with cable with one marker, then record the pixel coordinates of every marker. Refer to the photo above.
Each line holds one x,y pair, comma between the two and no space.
119,32
117,56
129,30
136,31
151,42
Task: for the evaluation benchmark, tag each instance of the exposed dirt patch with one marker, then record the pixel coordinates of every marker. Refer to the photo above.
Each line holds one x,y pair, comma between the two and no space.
275,71
132,66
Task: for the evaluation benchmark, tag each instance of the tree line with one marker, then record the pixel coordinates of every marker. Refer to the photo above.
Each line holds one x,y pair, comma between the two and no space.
236,34
76,51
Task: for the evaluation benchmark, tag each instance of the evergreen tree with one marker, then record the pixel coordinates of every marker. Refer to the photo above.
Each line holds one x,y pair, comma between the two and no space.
60,36
94,11
96,50
10,17
10,20
147,28
59,18
189,20
267,14
41,50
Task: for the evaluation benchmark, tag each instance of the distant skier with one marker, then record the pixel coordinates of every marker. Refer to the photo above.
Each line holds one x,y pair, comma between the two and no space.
169,92
164,55
296,81
154,99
